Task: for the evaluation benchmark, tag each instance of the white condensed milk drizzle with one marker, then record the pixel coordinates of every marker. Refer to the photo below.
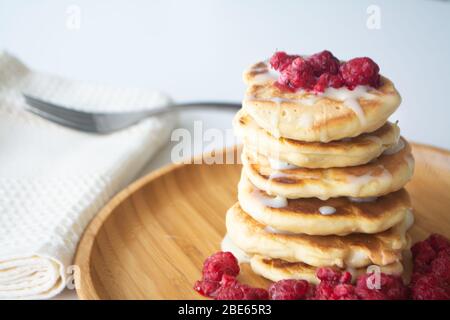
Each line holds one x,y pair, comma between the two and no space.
272,202
280,165
362,199
272,230
327,210
350,98
395,148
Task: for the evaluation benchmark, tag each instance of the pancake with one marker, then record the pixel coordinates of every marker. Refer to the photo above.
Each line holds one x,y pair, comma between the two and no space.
388,173
355,250
341,153
277,269
303,215
304,116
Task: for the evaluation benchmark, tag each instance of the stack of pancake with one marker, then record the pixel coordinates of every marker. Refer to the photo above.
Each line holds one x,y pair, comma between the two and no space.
322,180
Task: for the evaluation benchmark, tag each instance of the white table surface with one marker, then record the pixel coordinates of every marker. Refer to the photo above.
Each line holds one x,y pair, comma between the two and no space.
196,50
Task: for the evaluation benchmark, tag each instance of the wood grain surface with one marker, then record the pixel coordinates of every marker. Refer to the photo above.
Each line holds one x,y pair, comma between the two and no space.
150,241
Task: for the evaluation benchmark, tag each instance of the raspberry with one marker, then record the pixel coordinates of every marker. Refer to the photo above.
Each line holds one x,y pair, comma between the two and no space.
327,80
290,290
299,74
219,280
346,277
429,287
344,292
423,253
206,288
391,288
254,293
334,285
228,281
328,274
360,71
242,292
431,278
281,60
219,264
231,289
438,242
324,62
230,293
369,294
440,266
324,291
333,276
341,291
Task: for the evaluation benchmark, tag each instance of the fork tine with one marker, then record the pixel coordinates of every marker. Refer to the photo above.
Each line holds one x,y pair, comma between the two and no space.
92,122
43,108
89,124
66,113
62,121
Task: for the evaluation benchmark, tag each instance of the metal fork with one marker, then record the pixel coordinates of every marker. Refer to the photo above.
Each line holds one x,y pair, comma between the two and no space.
103,122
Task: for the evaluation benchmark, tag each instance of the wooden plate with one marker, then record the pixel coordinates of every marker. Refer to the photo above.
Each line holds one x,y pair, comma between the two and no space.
150,241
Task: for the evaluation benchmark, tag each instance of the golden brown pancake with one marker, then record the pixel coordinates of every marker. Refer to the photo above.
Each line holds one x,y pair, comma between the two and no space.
278,269
342,153
386,174
304,216
308,117
355,250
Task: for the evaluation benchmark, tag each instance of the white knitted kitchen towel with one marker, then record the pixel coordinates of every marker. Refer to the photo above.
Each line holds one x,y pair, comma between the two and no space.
53,180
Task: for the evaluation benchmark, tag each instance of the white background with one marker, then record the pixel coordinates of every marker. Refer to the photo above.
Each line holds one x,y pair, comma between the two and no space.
196,50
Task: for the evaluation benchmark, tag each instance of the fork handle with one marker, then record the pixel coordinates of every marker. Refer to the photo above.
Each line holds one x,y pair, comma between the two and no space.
193,106
122,120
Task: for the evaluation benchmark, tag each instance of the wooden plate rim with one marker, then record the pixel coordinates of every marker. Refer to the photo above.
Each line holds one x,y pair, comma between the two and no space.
83,280
82,256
